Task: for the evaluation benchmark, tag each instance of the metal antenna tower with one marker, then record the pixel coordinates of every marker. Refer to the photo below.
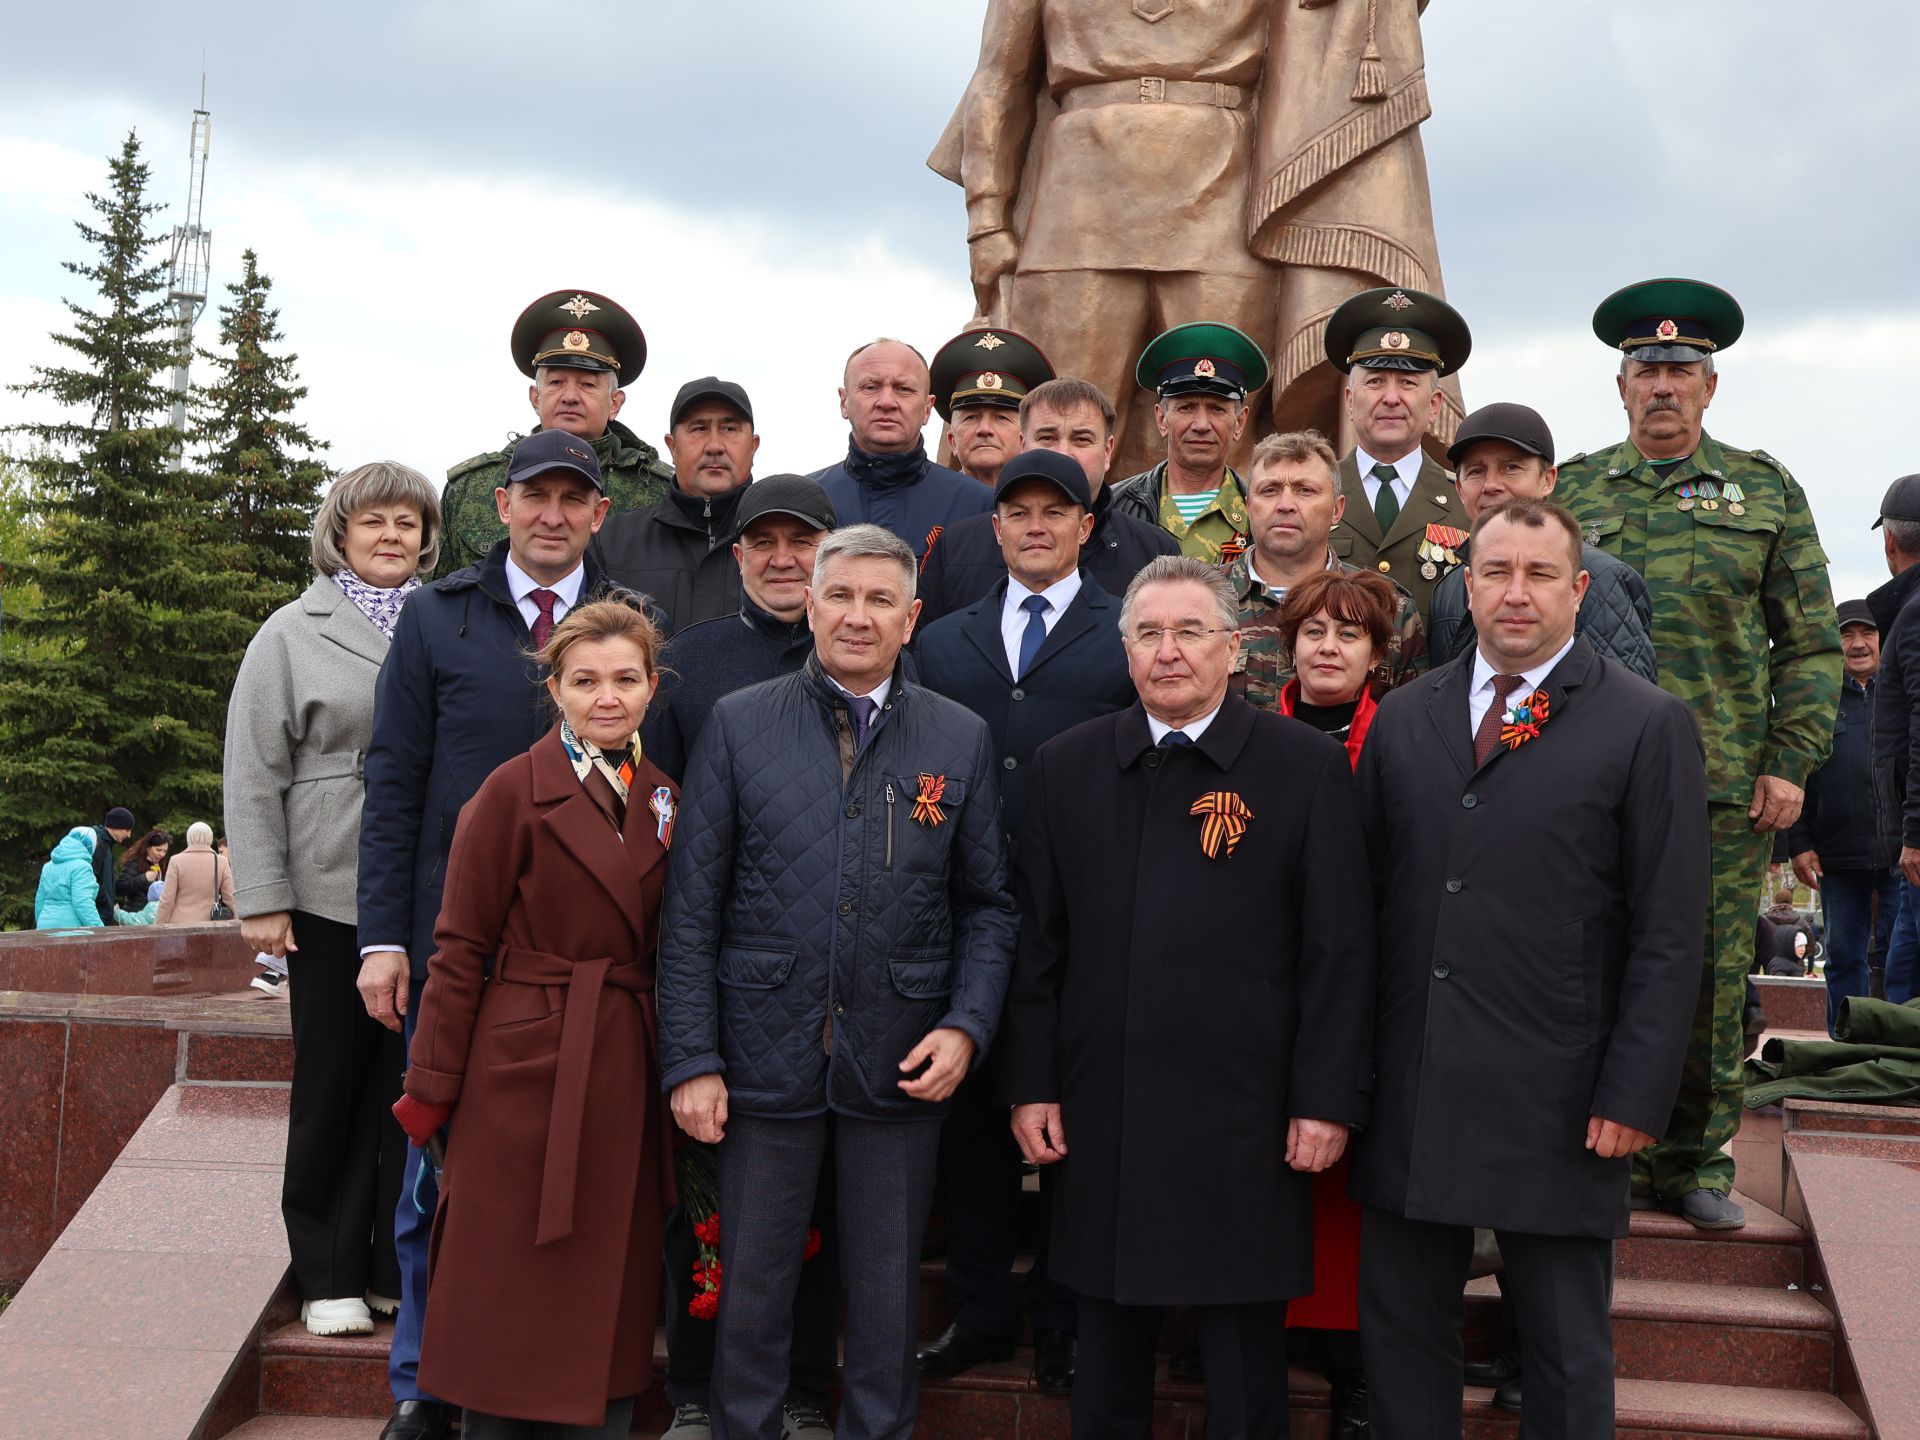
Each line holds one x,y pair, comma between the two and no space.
192,254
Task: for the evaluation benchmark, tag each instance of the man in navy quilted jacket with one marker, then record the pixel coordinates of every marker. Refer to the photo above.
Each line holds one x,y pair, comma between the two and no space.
835,953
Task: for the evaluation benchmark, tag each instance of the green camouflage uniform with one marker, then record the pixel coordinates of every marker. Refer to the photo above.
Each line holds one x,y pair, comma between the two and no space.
1222,526
1264,666
1744,631
634,473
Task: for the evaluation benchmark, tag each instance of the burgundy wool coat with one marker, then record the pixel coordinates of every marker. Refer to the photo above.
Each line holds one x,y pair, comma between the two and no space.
545,1278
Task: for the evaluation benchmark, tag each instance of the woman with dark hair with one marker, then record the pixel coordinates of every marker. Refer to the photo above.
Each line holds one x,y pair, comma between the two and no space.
1337,625
144,864
536,1038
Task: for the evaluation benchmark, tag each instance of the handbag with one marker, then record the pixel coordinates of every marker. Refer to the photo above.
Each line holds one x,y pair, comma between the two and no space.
221,910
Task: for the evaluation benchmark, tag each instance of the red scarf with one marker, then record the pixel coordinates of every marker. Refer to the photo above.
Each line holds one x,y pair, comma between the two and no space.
1362,716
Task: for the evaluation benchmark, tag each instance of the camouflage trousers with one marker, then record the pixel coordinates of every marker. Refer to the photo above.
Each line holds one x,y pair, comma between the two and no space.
1712,1082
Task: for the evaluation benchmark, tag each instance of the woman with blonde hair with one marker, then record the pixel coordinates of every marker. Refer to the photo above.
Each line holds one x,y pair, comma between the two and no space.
298,726
199,885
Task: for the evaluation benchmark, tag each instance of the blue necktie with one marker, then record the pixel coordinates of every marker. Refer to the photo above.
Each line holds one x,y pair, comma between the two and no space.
1174,739
861,707
1035,635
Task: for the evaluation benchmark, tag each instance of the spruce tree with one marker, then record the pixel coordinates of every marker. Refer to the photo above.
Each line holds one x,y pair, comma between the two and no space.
121,699
259,456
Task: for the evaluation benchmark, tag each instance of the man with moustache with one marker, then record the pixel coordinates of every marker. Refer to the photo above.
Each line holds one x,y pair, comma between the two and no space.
581,351
979,380
1072,416
887,478
1744,632
1537,818
1395,346
1203,374
1293,503
1505,452
1038,655
675,553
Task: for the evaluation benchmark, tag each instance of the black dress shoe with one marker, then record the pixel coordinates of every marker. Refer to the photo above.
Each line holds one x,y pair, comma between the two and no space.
1348,1402
1053,1356
1495,1372
959,1349
1184,1364
1507,1397
419,1420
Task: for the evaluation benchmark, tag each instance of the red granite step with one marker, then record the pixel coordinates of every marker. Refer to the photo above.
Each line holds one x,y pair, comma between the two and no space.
305,1427
1828,1117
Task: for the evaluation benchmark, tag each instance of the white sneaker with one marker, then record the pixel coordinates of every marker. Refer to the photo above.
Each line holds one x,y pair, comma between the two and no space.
337,1317
268,982
384,1305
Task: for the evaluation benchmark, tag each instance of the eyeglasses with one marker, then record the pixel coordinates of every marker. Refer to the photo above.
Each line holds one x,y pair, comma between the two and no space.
1185,637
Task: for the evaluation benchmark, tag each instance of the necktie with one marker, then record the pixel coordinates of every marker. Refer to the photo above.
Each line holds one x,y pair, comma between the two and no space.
861,707
1174,739
544,601
1035,635
1488,735
1386,504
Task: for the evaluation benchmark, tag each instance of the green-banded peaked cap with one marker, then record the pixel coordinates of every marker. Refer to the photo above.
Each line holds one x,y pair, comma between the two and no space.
1202,358
1669,320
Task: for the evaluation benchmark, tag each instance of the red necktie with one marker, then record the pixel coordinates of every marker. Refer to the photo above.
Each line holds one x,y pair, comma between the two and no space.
1487,737
544,600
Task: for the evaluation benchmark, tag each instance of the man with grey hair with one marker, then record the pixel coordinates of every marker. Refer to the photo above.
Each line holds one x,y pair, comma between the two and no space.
581,350
887,478
834,959
1151,1048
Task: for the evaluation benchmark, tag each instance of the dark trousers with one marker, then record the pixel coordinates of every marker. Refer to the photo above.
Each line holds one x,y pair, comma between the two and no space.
980,1182
883,1180
1411,1276
1903,950
814,1358
1856,935
345,1151
1243,1350
477,1425
412,1229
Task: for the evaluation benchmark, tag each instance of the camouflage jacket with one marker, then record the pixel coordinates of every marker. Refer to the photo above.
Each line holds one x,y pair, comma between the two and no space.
1743,623
1264,666
635,476
1220,532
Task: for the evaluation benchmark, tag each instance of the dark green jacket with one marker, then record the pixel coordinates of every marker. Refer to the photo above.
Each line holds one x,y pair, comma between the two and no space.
1876,1060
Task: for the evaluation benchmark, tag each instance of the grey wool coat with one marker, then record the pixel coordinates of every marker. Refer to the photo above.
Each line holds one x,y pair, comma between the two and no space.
298,725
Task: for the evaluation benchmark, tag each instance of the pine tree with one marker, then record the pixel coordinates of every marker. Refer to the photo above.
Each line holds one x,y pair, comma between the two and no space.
121,699
259,455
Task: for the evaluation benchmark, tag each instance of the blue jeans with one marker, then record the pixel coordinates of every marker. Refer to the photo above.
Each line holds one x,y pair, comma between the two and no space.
412,1227
1903,951
1847,898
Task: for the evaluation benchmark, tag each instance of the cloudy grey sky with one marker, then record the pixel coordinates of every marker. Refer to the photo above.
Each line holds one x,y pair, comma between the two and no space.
749,179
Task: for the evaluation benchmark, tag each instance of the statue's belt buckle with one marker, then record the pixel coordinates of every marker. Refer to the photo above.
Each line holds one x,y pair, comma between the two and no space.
1153,89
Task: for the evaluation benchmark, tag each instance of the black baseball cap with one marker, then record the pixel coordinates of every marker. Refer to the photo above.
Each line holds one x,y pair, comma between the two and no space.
1516,424
546,450
1855,612
1902,501
805,500
1049,465
709,387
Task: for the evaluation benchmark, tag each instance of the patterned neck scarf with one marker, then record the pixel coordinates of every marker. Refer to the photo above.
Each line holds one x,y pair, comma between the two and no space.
607,776
379,604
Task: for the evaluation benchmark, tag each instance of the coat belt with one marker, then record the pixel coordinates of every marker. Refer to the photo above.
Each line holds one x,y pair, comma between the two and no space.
566,1120
1155,90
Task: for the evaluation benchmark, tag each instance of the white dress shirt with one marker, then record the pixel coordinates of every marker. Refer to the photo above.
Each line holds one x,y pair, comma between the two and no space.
1193,729
521,586
1405,471
1481,695
1013,620
878,694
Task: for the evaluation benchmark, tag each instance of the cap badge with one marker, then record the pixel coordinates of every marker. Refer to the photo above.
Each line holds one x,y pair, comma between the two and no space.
1395,340
988,341
574,340
577,454
1666,329
1398,301
988,380
1203,369
579,307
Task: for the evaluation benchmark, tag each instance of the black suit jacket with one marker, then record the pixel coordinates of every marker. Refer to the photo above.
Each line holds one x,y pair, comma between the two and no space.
1080,674
1541,926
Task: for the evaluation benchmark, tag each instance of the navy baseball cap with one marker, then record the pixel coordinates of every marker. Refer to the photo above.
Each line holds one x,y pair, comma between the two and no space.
546,450
1051,466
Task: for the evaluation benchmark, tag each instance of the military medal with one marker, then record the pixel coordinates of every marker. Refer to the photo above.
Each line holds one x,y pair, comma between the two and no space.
1429,571
1734,495
1523,722
926,805
1440,546
1226,820
1685,493
661,803
1709,495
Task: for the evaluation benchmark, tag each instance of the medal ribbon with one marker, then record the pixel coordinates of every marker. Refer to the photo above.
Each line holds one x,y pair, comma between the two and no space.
926,805
1226,819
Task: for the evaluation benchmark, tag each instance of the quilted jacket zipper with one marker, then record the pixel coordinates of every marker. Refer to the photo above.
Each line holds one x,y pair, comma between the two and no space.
889,824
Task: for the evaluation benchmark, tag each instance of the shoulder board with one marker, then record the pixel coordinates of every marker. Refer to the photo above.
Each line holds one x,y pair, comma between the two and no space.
1576,459
1765,459
483,460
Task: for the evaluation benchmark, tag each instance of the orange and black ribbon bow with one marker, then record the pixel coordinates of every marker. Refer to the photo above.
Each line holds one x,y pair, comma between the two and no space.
1227,816
926,805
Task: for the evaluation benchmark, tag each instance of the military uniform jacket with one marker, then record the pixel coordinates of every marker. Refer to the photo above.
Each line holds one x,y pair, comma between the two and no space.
1541,923
1265,665
631,469
1178,1026
1357,540
1743,623
1219,533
